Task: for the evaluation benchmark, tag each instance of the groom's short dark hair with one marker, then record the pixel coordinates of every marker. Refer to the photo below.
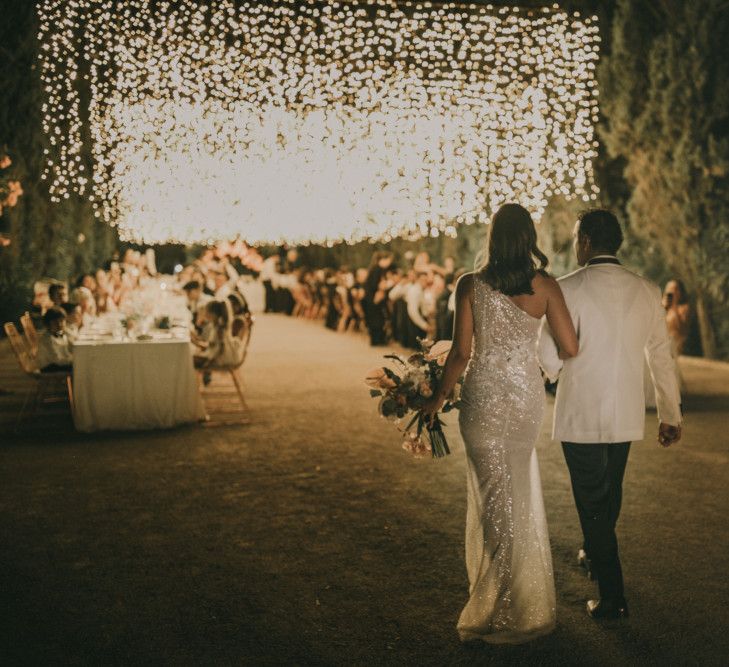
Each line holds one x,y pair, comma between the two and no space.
603,229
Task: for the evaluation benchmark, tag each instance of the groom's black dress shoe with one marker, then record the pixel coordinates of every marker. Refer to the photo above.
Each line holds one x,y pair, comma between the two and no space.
600,609
584,562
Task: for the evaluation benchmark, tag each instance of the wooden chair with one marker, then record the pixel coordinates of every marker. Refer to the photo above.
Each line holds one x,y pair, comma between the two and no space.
234,372
29,366
30,333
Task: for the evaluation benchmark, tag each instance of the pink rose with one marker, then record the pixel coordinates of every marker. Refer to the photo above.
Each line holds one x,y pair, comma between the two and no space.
439,352
416,445
424,390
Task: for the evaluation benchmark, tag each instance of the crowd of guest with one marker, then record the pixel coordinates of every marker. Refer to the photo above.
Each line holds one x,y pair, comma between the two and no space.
397,302
391,302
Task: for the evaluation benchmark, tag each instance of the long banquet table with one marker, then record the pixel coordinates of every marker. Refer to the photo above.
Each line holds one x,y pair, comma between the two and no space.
128,381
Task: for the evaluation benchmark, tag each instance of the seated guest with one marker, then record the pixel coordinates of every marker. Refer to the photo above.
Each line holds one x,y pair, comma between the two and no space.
218,348
85,299
104,293
88,281
54,346
199,276
196,298
117,287
222,285
74,319
58,293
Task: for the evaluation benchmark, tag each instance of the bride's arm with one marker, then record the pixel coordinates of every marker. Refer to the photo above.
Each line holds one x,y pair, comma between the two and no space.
560,321
460,350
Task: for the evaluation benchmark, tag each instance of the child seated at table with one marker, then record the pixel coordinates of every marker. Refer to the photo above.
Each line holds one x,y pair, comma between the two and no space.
217,348
54,346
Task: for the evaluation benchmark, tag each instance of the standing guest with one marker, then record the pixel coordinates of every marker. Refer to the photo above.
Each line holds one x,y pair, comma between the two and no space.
678,321
269,271
300,291
678,315
333,303
356,297
58,293
54,346
444,311
399,319
375,302
416,302
422,262
345,283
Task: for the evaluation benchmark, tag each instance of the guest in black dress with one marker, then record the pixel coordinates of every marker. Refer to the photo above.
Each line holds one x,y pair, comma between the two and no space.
375,301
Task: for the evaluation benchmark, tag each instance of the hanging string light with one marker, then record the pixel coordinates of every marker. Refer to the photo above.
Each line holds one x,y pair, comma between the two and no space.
314,121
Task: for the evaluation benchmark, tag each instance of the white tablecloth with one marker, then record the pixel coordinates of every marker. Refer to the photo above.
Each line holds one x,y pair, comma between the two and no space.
128,385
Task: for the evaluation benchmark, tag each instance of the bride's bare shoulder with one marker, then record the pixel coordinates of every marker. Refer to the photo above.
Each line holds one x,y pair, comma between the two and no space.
466,282
544,283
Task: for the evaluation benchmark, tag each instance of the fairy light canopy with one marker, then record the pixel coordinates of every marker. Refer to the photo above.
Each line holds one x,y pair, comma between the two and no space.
314,121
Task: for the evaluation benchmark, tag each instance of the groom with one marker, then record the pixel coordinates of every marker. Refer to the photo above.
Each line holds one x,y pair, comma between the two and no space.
600,407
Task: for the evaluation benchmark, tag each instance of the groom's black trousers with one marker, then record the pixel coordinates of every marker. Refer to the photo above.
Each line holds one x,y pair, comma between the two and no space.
597,473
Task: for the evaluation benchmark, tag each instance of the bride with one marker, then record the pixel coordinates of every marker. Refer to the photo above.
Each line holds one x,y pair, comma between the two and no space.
498,313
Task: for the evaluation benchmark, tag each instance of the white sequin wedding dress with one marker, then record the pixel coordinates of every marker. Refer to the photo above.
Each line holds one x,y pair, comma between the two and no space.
512,598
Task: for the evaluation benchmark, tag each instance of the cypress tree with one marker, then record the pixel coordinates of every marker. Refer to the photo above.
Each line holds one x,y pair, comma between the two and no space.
665,100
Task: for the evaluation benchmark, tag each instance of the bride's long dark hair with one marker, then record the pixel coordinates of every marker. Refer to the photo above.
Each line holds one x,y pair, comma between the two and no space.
513,256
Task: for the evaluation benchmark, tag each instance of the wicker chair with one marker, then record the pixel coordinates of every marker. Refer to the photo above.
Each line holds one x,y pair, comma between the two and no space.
234,372
30,333
29,365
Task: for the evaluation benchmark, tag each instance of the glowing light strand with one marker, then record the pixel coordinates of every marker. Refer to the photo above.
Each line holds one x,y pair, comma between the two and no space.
315,121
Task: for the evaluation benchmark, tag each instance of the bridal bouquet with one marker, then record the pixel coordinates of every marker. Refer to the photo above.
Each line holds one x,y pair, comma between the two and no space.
403,389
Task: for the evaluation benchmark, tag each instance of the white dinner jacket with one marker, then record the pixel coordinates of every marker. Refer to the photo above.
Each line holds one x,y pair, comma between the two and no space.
619,322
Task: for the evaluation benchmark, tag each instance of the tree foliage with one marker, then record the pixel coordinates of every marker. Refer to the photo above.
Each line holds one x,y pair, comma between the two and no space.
48,240
665,99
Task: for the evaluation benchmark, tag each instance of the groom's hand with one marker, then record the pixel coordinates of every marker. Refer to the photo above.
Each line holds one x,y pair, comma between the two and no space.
668,435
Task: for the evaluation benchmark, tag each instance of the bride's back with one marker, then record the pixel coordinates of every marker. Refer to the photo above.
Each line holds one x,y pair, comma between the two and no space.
501,328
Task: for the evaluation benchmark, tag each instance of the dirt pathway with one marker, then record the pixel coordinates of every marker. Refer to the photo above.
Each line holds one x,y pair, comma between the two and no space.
309,537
